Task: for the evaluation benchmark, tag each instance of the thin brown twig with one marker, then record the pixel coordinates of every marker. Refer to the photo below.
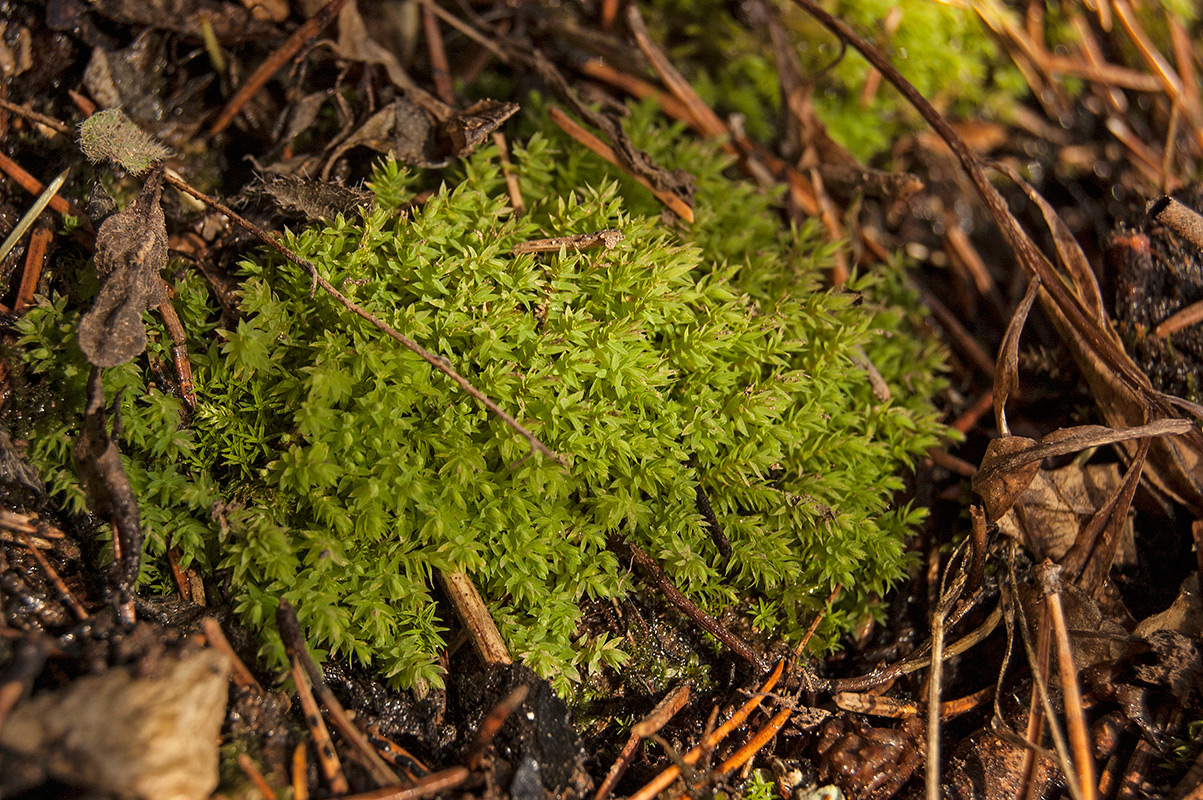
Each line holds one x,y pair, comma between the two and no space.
41,119
665,778
919,661
35,187
708,122
1079,735
433,783
762,737
294,645
744,754
959,335
467,30
311,28
1170,81
440,70
687,606
638,88
327,756
476,618
35,259
652,723
512,187
814,623
492,723
300,773
252,771
59,586
439,363
580,134
239,673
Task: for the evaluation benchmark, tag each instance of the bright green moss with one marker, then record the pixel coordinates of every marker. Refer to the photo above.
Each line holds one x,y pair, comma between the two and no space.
327,465
942,48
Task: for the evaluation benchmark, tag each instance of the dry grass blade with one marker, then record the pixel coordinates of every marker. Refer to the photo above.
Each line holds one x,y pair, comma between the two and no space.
1006,379
1088,562
39,205
705,120
948,600
1041,706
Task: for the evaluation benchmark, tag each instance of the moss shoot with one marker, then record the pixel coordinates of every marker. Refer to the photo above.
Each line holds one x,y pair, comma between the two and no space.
326,465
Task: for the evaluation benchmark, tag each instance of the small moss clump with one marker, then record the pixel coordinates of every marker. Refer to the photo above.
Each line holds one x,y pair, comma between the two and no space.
326,465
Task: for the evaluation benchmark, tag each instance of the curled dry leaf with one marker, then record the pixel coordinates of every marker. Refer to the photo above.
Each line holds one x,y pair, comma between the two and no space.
320,200
127,734
131,248
467,129
1012,462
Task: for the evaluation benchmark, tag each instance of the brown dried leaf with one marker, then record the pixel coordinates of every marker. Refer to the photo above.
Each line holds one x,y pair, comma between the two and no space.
1000,488
110,496
126,734
468,128
322,200
1011,463
1059,503
131,248
401,129
355,43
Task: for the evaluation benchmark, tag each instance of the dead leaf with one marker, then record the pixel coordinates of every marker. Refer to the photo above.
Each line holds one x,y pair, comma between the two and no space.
110,496
468,128
1011,463
315,200
1006,370
128,735
131,248
1001,489
401,129
356,44
1058,503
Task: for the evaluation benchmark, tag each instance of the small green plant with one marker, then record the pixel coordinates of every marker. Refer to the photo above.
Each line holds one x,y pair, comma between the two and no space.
328,466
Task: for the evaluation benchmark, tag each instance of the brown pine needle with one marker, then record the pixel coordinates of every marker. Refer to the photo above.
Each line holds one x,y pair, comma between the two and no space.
665,778
573,129
312,27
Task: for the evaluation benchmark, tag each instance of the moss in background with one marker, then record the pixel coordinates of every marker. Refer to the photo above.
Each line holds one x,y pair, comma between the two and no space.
942,48
329,466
